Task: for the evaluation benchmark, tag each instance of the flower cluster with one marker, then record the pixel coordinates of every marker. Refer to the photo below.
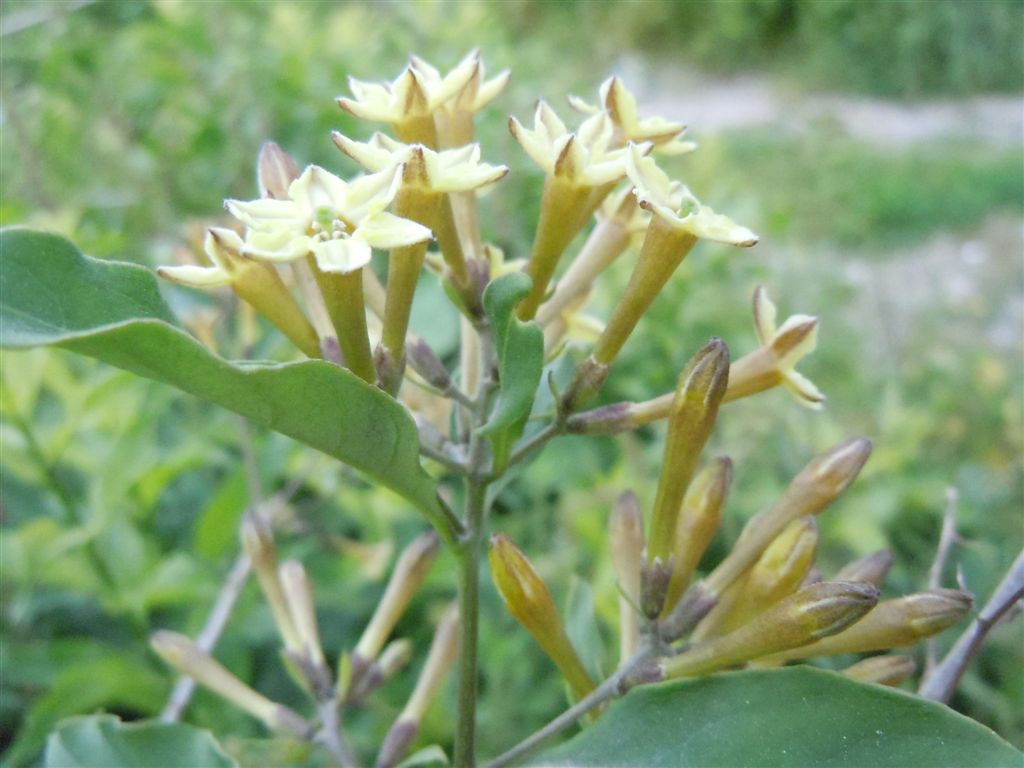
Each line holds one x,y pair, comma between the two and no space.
301,255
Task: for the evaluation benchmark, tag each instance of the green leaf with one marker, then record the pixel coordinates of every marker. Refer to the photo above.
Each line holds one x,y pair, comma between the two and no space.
103,741
116,681
520,348
53,295
799,717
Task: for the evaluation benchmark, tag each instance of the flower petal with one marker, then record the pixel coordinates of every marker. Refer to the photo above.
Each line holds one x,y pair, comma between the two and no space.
266,213
196,277
385,230
804,390
342,254
764,316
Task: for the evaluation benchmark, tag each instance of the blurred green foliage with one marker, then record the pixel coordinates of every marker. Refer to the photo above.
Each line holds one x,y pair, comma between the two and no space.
907,48
126,123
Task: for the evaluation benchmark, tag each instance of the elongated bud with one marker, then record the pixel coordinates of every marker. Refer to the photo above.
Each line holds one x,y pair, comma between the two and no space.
410,571
529,601
882,670
392,659
655,576
299,593
259,546
428,365
187,658
663,250
895,623
694,410
699,518
813,612
871,568
443,651
818,484
275,171
779,571
626,535
586,383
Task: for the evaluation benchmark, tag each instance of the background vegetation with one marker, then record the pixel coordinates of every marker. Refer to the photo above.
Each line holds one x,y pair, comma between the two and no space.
124,124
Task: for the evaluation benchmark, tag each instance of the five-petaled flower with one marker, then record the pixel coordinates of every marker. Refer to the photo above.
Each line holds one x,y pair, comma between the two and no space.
338,222
774,362
677,206
620,105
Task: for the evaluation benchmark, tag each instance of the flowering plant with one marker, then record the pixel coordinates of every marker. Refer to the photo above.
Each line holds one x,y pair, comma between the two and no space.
369,391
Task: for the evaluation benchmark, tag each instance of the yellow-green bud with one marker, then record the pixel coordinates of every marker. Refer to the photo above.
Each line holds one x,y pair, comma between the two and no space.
187,658
626,534
871,568
275,171
699,518
779,571
818,484
299,592
410,571
813,612
882,670
258,544
694,409
895,623
529,601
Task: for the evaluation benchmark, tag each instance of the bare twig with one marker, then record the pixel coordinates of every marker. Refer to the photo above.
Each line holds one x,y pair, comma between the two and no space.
609,689
210,634
332,736
234,582
947,538
943,680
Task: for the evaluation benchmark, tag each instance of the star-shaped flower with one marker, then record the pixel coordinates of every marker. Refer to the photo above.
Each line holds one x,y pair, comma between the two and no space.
782,347
677,206
621,107
450,170
338,222
584,157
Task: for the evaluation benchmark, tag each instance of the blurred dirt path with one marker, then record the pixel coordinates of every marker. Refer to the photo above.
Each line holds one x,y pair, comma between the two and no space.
712,104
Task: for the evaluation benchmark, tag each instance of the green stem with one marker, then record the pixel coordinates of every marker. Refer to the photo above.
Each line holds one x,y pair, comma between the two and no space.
469,618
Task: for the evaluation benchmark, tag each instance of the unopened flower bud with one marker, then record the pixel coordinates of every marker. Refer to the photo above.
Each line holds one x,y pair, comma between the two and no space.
779,571
187,658
586,383
699,518
882,670
299,593
443,651
813,612
895,623
654,579
818,484
427,364
694,410
275,171
626,534
528,600
871,568
258,544
410,571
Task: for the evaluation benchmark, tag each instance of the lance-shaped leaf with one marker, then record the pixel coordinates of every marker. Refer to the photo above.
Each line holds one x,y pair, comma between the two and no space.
520,349
53,295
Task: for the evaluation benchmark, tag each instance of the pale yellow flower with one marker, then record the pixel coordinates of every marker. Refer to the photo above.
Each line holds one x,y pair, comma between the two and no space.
621,107
338,222
462,89
782,347
450,170
584,157
677,206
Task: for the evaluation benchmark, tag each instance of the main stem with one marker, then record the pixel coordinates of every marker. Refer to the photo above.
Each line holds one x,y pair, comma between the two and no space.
469,621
